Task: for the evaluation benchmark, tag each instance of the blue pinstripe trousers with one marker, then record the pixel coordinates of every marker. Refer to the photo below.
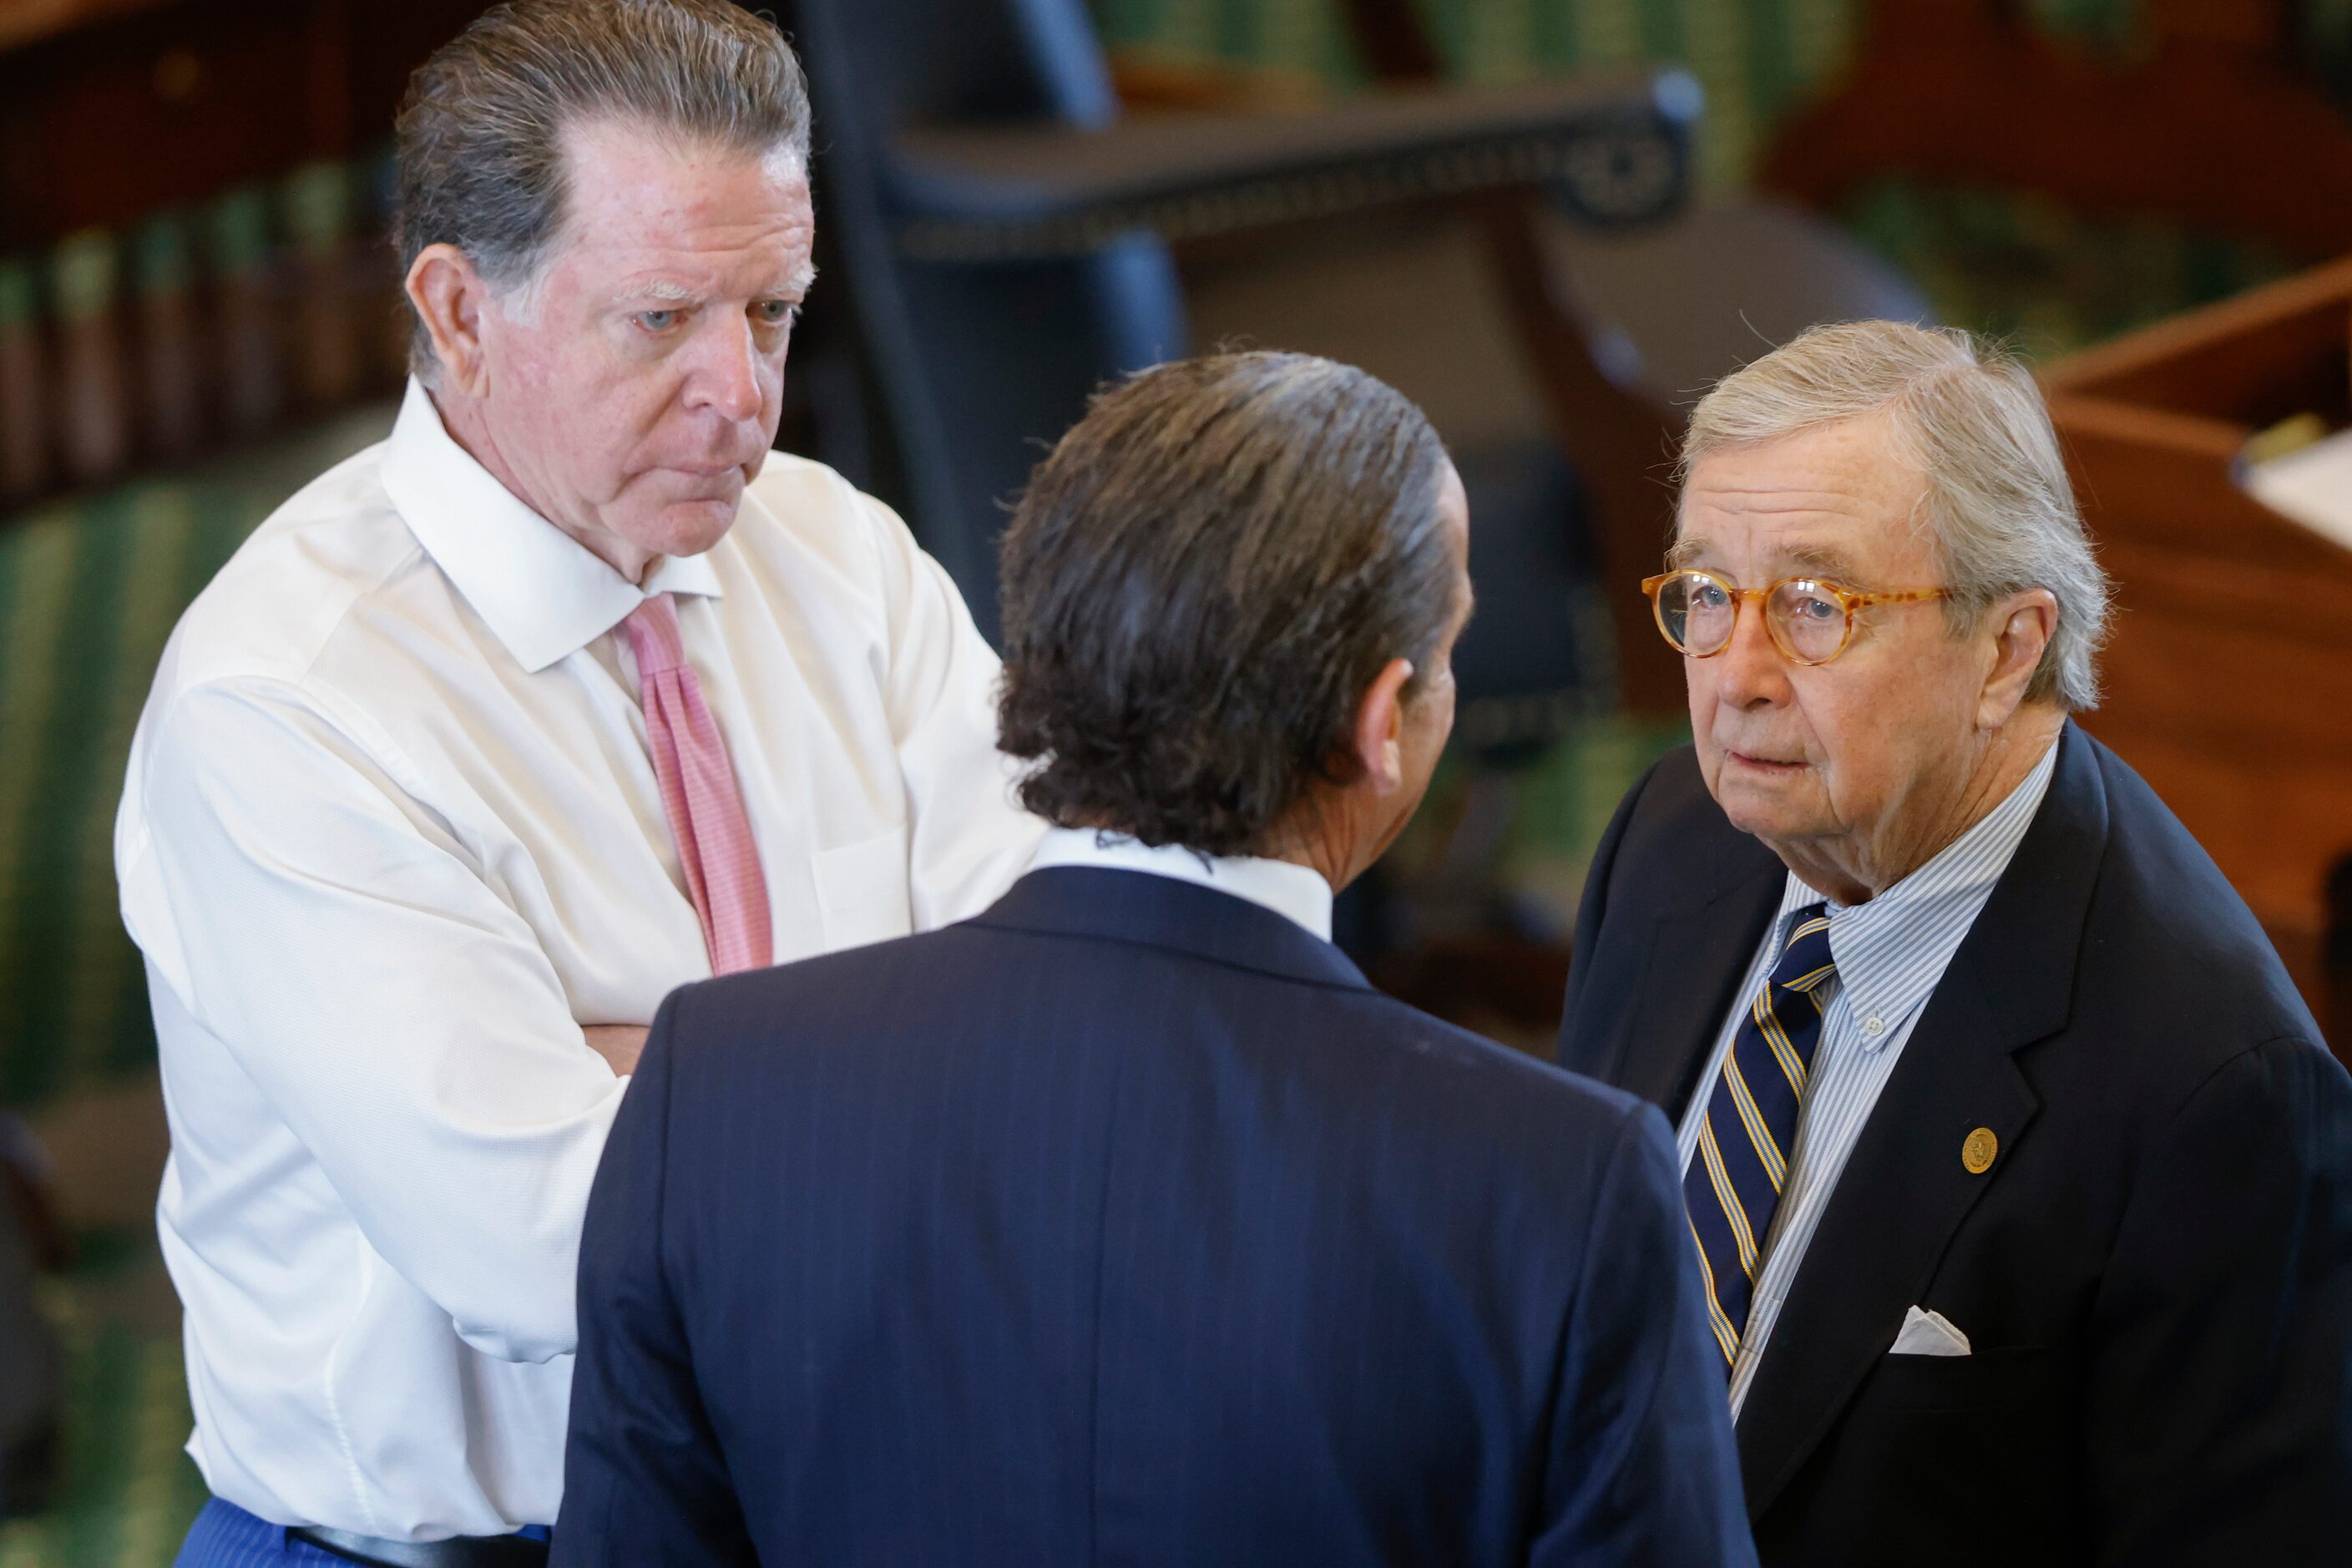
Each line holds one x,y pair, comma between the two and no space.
226,1536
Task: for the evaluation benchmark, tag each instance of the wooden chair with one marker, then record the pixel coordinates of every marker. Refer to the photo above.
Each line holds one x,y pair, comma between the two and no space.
1621,436
1693,296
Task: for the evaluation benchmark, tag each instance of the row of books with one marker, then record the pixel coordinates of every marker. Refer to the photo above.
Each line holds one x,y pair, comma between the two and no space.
196,330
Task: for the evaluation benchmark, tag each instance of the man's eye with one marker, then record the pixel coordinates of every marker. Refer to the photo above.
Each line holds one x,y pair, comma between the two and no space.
1710,596
776,313
657,320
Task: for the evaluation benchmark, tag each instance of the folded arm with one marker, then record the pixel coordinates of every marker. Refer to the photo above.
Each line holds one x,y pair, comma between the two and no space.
619,1044
340,942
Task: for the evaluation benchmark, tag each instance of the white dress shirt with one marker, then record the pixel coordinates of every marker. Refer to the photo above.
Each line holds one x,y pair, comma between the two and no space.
1297,893
1890,953
391,838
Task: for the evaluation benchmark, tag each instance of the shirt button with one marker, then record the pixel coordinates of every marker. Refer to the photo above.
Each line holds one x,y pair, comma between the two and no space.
1873,1025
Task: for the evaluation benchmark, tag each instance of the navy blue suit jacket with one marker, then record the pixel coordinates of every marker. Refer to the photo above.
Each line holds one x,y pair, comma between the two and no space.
2155,1273
1126,1224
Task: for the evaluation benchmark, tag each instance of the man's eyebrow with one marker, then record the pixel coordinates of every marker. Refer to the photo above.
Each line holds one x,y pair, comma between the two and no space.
1797,561
1818,562
662,288
795,285
1687,551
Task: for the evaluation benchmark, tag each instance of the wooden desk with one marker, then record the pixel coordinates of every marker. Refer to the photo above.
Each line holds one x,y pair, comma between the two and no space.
2229,677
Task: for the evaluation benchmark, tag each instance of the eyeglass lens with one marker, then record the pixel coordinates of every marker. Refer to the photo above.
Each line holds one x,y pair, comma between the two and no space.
1807,621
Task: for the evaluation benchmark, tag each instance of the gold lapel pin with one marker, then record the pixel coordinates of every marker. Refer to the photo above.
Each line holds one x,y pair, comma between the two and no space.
1977,1150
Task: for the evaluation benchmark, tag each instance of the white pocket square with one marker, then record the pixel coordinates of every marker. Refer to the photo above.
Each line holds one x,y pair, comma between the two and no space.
1928,1333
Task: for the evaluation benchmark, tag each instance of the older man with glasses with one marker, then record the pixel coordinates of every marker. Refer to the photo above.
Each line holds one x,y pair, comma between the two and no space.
2022,1178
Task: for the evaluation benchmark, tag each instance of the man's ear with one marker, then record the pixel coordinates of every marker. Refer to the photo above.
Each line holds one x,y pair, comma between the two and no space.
450,298
2022,625
1380,728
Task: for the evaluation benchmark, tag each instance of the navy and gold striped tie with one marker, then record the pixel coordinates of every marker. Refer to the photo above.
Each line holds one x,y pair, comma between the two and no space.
1734,1182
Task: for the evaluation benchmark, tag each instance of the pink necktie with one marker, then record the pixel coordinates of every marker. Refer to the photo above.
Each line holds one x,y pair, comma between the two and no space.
697,786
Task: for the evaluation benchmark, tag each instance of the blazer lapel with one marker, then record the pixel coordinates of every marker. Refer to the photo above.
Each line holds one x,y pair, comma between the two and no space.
1904,1191
1685,994
1903,1194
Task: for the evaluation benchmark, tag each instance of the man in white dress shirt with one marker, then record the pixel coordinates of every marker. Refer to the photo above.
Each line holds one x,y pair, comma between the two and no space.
567,693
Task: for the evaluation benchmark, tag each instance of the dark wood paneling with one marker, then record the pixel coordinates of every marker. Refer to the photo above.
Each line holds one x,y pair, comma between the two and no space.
2229,675
106,124
2208,119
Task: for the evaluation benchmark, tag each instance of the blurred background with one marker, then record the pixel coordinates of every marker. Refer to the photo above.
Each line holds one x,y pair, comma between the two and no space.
1551,222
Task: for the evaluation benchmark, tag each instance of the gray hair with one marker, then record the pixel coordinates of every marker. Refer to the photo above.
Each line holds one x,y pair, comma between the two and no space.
481,161
1200,583
1970,418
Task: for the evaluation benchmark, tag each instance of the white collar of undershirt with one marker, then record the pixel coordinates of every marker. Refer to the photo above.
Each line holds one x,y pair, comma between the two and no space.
1295,892
544,594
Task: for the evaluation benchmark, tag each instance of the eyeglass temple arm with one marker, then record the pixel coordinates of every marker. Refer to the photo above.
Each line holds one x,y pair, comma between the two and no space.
1897,596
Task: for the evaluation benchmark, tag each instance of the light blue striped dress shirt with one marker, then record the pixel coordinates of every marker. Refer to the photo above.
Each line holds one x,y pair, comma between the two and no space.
1890,953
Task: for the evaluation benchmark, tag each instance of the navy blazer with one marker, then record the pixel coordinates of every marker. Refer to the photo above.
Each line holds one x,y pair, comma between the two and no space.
1126,1224
2155,1274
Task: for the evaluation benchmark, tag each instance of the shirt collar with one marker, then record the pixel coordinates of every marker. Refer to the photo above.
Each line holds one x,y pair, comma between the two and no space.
1892,951
1295,892
542,592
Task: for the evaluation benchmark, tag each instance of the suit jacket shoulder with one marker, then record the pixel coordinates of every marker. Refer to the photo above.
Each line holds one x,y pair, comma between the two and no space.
1126,1220
2170,943
1673,906
1450,1083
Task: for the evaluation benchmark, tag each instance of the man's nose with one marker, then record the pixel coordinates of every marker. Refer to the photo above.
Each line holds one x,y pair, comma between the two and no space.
727,379
1751,673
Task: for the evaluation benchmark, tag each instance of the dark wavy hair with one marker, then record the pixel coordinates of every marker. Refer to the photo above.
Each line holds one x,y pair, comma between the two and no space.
1200,583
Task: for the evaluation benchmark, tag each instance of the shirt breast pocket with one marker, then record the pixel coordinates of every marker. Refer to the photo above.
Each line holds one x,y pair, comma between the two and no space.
861,891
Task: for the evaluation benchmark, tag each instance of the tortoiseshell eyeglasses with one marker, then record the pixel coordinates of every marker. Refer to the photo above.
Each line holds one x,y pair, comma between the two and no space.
1810,620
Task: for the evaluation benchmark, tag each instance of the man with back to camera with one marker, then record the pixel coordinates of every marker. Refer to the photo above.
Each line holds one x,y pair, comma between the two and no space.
2022,1178
568,692
1126,1222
